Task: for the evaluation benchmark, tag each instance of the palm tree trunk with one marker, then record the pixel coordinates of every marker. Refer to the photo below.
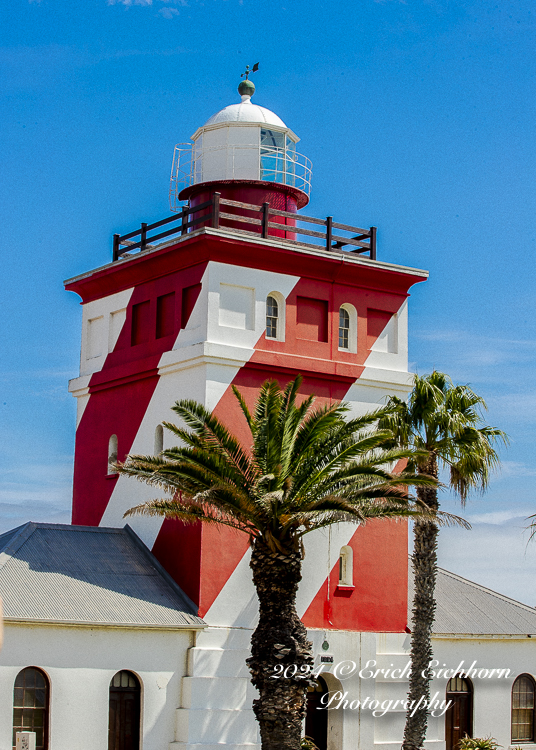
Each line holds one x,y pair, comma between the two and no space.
424,561
279,641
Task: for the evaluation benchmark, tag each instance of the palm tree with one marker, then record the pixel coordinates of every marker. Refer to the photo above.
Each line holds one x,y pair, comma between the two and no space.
307,467
443,423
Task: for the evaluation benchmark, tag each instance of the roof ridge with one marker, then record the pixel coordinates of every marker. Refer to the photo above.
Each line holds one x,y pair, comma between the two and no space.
76,527
24,532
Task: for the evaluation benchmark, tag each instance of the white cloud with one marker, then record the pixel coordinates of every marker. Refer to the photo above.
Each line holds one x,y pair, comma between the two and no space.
499,517
471,348
168,12
514,469
130,2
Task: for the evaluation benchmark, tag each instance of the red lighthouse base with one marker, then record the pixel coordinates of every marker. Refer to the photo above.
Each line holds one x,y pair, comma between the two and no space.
255,192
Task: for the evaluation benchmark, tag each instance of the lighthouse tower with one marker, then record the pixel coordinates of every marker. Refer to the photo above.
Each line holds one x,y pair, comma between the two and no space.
233,288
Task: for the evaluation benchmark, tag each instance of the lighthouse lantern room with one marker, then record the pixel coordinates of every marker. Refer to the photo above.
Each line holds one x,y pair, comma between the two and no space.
242,142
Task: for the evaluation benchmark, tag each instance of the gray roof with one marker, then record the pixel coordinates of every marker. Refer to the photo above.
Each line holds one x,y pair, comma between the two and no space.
88,575
466,608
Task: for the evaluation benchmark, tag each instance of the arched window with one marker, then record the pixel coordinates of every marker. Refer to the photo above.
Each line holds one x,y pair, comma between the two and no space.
523,709
112,454
124,717
347,328
30,705
344,328
346,566
275,316
272,317
459,716
158,440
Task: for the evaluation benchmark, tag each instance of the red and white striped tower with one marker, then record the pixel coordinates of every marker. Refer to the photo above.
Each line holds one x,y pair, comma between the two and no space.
221,295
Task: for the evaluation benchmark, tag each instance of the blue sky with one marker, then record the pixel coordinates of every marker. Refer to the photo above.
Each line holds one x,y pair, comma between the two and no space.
418,116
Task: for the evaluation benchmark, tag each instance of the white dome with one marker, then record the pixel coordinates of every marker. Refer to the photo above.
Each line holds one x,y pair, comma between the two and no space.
245,111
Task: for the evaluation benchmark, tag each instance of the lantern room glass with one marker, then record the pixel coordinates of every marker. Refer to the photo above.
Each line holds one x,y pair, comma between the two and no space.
278,157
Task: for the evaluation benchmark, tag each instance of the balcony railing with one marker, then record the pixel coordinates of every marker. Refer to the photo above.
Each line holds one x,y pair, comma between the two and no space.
261,221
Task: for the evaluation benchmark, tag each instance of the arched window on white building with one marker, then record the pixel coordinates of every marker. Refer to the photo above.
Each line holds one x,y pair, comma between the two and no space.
523,709
275,316
347,328
158,440
346,566
31,705
112,454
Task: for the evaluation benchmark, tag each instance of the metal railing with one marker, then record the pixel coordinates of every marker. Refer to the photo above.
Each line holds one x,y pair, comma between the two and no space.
245,161
210,214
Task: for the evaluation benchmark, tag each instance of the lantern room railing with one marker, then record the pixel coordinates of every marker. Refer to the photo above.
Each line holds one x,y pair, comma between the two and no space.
260,221
193,165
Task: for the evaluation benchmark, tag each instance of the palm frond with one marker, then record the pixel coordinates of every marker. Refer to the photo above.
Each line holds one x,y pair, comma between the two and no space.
189,515
307,465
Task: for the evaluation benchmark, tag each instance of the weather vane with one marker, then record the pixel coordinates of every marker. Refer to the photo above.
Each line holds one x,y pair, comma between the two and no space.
248,71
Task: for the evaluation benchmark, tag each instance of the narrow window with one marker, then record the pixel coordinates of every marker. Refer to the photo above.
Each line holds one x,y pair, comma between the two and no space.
272,315
344,329
112,454
523,709
347,328
346,566
124,714
30,706
158,440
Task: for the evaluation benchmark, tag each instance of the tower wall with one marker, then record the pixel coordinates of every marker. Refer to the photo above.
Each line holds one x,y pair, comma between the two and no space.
187,320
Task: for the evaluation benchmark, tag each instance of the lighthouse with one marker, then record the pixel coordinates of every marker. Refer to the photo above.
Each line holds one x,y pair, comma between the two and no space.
233,288
239,286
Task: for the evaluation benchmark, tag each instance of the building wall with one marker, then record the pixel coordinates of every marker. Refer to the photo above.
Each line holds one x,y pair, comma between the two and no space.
196,695
218,684
80,663
492,695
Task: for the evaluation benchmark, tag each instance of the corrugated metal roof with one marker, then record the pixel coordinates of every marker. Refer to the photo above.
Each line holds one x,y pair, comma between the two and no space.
86,574
466,608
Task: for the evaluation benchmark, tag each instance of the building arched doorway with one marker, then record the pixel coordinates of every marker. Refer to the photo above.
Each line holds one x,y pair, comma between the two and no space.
124,721
316,722
459,717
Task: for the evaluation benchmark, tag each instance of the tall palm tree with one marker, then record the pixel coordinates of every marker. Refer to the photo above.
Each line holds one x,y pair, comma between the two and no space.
443,423
306,468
